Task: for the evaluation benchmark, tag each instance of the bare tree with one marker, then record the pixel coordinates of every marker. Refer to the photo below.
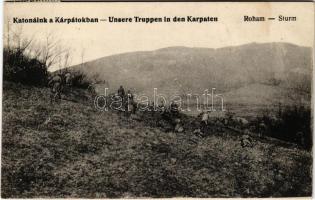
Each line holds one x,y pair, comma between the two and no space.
52,50
49,51
35,50
64,60
16,41
67,58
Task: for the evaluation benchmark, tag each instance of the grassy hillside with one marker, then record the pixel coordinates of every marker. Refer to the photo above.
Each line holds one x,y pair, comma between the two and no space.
271,95
72,150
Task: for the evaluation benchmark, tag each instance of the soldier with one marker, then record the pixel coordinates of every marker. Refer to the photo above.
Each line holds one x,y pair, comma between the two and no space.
129,96
205,118
246,141
130,105
162,108
262,129
121,91
91,88
121,96
174,109
67,83
68,79
178,127
55,85
204,121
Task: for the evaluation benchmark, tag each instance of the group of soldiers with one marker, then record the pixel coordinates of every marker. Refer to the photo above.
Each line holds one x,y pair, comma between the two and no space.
169,113
59,83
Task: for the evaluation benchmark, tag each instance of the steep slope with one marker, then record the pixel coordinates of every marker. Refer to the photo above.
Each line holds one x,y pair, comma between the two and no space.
72,150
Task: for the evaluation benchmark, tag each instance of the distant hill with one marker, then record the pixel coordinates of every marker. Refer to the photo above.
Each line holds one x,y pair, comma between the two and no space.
185,70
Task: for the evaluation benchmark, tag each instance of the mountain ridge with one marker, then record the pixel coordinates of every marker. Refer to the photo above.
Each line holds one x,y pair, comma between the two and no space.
183,69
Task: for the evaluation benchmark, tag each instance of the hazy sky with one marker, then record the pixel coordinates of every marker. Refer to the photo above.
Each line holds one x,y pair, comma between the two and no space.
104,38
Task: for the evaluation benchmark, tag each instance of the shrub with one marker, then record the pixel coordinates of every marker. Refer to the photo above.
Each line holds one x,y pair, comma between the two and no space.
80,80
292,123
18,67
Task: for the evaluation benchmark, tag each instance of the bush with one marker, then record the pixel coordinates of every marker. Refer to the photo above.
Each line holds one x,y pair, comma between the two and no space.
18,67
80,80
292,124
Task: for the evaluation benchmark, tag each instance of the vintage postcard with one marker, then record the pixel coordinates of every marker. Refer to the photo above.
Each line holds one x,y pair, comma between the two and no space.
157,99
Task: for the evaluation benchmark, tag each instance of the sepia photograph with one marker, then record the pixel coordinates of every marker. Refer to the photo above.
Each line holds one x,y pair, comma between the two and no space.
157,100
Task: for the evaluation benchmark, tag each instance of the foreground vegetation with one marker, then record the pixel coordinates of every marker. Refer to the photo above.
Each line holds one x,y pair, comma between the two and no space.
73,150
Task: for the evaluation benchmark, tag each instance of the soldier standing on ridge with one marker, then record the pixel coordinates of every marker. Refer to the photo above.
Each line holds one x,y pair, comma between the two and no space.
129,96
130,102
121,94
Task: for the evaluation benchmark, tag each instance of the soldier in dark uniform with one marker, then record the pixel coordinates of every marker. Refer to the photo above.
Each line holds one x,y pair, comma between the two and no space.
121,92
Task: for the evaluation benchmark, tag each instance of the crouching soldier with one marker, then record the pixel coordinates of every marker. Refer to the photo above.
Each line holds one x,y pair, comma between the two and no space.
178,127
246,141
174,110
